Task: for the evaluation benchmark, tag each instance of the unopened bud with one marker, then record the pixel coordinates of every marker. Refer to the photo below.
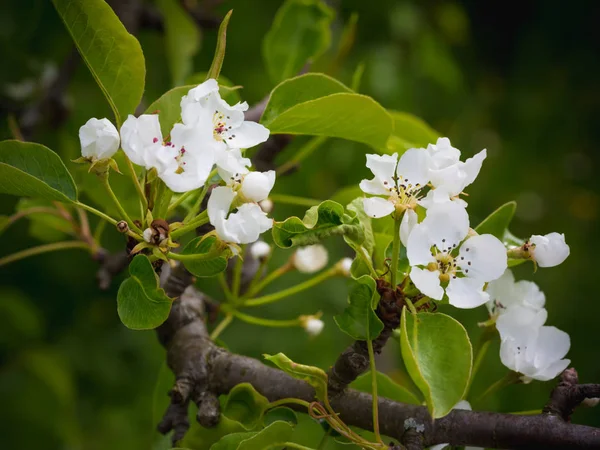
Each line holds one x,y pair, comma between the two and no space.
122,227
311,258
313,326
345,265
260,250
266,205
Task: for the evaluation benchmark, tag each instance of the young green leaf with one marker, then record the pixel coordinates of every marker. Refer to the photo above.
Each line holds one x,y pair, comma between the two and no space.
386,387
359,320
497,222
277,432
217,63
312,375
356,207
300,33
205,256
113,56
32,170
319,222
182,39
280,413
318,105
410,132
438,355
245,405
142,304
168,108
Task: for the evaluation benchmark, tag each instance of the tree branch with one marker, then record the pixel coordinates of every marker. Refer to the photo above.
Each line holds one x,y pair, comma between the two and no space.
204,371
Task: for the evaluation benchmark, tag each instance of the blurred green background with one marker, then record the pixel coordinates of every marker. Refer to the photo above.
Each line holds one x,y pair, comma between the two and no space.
517,78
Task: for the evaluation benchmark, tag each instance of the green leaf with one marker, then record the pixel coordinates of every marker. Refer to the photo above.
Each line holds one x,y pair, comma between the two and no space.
386,387
410,132
182,39
497,222
113,56
245,405
321,221
314,376
359,320
277,432
317,105
438,355
280,413
300,33
217,63
356,206
32,170
142,304
205,256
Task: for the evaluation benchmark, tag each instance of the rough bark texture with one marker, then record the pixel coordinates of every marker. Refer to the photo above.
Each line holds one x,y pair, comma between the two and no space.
204,371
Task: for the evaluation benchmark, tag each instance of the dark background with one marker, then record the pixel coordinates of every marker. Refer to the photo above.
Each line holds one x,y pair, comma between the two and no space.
517,78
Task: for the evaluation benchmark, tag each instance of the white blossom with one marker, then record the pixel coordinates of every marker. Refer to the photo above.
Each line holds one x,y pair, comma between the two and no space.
266,205
536,353
241,227
311,258
256,186
231,164
314,326
448,175
99,139
229,129
141,136
516,305
549,250
399,181
260,250
440,262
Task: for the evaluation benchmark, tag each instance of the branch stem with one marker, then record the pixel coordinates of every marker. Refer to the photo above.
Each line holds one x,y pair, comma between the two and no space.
221,327
395,252
508,379
138,188
43,249
374,391
259,286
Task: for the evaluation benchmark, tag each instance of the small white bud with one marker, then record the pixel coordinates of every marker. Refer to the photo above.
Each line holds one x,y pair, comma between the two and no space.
314,326
550,250
266,205
256,186
99,139
311,258
260,250
345,264
147,234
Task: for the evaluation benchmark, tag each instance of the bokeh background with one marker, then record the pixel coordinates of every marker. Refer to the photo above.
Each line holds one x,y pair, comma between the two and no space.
517,78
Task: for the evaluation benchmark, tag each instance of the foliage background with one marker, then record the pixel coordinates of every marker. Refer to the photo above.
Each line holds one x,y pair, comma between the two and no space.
518,78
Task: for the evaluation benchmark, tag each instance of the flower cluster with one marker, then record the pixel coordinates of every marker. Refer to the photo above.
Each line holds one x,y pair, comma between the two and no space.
211,133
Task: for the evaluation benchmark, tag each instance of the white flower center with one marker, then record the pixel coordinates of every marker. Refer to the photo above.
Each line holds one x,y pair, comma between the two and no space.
404,192
449,265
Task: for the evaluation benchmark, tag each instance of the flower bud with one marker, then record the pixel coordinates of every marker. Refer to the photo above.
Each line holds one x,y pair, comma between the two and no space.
311,258
266,205
345,264
314,326
99,139
122,227
260,250
256,186
550,250
147,234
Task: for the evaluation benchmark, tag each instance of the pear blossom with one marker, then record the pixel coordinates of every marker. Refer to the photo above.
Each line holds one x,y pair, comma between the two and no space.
231,164
516,305
464,405
536,353
442,260
345,266
311,258
241,227
228,127
260,250
313,326
400,181
99,139
549,250
448,175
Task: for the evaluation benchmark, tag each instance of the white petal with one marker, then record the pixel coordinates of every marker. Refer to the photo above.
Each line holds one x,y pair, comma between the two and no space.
383,166
508,353
418,246
202,90
311,258
247,135
550,250
256,186
427,282
516,318
553,370
466,293
442,154
448,224
374,187
246,224
377,207
231,164
501,291
472,167
528,294
220,200
139,133
452,178
552,345
99,139
409,220
486,255
435,196
161,157
413,168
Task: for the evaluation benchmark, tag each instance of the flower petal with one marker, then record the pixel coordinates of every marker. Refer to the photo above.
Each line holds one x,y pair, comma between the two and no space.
383,168
472,167
247,134
377,207
418,246
482,257
466,293
220,200
230,163
550,250
256,186
427,282
409,220
99,139
448,224
442,154
517,318
246,224
139,133
413,168
552,345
